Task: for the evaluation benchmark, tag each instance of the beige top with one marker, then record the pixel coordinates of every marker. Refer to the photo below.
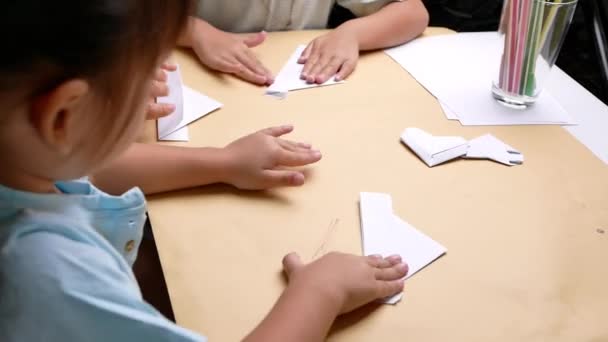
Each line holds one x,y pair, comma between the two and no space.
278,15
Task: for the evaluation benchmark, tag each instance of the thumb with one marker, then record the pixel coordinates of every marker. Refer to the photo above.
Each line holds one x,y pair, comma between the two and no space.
275,178
255,39
291,263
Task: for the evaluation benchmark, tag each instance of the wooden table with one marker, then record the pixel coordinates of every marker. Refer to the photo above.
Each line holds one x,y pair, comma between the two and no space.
526,245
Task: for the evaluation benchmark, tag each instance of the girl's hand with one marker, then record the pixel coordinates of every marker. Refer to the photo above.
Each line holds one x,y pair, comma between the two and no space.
258,161
231,53
159,88
347,281
334,52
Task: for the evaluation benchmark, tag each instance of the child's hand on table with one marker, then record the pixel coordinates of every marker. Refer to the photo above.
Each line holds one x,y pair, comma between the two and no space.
258,161
347,281
231,53
159,88
334,52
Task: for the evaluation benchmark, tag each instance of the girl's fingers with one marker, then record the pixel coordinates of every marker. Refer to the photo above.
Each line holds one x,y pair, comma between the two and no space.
300,158
392,272
169,66
330,69
346,69
311,61
159,89
160,75
388,288
277,178
321,63
277,131
306,53
294,146
159,110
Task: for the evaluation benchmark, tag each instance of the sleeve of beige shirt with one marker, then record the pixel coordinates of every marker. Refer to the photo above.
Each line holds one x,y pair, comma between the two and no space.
361,8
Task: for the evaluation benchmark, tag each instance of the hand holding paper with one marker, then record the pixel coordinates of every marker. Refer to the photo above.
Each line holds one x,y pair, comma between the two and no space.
345,281
385,234
289,78
190,106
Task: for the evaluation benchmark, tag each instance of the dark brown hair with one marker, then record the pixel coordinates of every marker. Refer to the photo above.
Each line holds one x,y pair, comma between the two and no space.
113,44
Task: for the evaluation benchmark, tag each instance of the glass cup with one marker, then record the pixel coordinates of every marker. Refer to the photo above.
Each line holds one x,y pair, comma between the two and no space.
533,33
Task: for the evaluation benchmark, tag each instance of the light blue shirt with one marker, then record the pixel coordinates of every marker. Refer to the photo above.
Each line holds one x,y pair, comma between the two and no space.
65,268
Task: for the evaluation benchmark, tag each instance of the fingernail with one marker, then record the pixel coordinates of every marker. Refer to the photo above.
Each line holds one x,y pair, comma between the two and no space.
402,267
338,79
170,106
287,126
297,179
316,154
395,258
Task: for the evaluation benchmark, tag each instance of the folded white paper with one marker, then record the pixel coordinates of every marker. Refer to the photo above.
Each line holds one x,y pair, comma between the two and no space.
434,150
289,79
489,147
386,234
190,106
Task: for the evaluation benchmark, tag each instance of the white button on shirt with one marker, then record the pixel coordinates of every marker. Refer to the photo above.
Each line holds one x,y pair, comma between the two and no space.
279,15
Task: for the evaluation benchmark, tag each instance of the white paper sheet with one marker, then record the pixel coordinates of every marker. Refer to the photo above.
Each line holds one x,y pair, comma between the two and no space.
289,79
590,112
195,105
386,234
459,69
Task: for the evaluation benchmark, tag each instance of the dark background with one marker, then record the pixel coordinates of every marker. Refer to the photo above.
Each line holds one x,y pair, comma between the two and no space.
579,56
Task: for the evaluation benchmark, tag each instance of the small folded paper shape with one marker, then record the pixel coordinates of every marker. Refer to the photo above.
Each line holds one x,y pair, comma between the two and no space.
489,147
434,150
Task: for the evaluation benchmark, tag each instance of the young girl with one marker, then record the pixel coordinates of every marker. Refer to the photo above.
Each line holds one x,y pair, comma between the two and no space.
380,24
66,247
